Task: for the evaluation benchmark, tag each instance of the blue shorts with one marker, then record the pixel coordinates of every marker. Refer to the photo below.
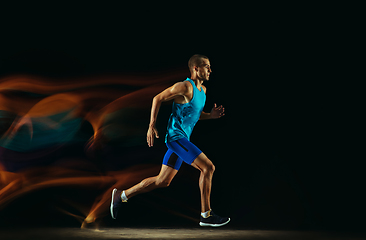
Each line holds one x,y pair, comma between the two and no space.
180,151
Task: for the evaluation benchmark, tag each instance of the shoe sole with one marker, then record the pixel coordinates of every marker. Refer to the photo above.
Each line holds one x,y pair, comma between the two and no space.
112,202
202,224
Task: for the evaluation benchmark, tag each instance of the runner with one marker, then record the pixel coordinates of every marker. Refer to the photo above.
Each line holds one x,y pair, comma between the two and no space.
189,99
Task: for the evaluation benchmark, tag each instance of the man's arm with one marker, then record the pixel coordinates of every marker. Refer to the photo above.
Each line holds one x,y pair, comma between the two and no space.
216,112
205,116
177,90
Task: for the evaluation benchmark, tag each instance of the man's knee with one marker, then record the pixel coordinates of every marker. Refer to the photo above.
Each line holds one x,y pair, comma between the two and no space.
209,168
161,183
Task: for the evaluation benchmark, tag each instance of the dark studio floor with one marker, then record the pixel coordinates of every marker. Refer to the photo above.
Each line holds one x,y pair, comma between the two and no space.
171,233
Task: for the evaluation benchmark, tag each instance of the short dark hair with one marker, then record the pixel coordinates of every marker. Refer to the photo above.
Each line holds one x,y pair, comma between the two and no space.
196,60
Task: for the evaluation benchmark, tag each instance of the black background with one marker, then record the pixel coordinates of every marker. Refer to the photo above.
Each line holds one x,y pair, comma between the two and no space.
286,151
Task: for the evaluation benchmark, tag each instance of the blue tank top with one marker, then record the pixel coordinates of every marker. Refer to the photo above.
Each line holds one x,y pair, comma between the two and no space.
185,116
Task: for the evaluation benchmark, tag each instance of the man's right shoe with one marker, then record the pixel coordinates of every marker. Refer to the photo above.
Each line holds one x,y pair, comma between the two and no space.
214,220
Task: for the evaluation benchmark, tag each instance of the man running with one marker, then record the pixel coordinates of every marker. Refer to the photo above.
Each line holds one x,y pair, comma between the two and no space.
189,99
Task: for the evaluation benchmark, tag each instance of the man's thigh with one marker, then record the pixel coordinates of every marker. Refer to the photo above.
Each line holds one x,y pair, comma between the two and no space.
202,162
167,173
185,150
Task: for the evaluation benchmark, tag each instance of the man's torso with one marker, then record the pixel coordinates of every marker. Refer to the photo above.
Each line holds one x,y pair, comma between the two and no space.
185,115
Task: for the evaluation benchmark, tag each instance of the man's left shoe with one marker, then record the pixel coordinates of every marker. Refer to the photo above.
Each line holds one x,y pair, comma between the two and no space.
214,220
116,202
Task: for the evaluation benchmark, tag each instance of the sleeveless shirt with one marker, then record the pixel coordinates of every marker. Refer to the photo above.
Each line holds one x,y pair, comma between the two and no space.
185,116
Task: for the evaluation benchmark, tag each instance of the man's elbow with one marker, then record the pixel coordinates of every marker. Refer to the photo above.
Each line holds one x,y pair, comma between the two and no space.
157,99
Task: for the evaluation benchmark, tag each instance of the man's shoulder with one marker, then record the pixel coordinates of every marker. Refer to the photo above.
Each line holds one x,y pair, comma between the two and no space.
183,87
185,84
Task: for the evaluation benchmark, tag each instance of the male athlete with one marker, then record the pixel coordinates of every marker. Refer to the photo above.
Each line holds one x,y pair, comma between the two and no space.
189,99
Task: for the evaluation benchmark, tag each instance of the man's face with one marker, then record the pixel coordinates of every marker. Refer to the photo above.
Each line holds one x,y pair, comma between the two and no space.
204,71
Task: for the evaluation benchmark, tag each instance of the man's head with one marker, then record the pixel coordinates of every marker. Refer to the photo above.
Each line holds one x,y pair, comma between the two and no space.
200,67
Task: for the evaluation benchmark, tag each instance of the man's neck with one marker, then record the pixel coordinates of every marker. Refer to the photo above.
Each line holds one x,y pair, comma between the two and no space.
197,82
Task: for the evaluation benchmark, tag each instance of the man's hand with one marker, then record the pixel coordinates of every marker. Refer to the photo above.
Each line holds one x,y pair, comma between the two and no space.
151,133
217,112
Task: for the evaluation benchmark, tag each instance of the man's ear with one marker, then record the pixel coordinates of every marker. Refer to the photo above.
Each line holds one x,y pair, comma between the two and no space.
195,68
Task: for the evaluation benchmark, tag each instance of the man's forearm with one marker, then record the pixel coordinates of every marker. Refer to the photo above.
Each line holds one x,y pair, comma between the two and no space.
205,116
154,111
